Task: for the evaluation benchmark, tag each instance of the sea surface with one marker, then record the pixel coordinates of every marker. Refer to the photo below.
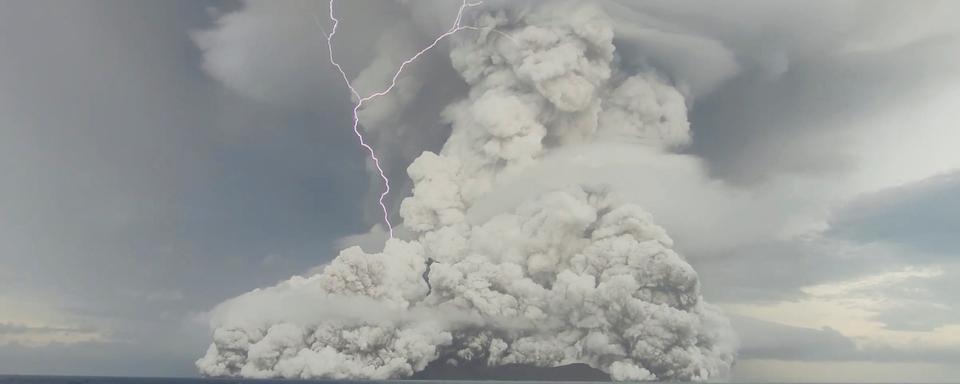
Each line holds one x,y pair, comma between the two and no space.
29,379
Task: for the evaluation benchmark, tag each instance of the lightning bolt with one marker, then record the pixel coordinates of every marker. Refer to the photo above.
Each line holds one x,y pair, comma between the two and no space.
361,100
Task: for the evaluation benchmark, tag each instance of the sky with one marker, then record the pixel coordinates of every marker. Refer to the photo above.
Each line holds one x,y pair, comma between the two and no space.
158,158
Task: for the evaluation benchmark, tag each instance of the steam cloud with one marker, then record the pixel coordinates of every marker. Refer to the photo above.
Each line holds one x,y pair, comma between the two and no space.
570,275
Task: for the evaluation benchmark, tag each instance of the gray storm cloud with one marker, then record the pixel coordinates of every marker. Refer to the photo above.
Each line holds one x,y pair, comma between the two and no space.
570,275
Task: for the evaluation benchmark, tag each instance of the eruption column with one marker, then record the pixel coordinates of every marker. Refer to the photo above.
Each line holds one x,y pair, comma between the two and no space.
393,83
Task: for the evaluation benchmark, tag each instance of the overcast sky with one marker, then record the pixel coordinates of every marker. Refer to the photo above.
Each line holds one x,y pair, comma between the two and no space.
160,157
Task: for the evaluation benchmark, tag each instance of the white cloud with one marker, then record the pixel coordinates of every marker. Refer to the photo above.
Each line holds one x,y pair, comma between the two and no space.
852,307
865,284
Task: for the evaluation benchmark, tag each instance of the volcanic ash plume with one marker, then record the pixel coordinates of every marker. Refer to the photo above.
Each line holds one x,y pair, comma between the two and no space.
571,276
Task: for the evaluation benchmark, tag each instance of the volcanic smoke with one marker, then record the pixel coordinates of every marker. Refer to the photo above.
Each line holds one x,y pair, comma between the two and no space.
570,275
393,83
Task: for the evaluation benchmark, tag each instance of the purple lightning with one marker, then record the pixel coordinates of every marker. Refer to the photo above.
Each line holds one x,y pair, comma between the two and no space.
393,83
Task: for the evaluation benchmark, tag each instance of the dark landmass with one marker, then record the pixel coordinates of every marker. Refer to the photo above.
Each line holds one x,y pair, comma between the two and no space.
513,372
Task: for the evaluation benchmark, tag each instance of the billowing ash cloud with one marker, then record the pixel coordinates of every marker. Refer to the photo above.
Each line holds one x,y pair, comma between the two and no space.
572,275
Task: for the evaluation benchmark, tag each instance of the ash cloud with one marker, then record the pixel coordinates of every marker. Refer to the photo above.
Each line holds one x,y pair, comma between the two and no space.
571,277
575,274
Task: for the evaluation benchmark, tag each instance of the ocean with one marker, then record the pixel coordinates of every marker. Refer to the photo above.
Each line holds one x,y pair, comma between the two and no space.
505,374
30,379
